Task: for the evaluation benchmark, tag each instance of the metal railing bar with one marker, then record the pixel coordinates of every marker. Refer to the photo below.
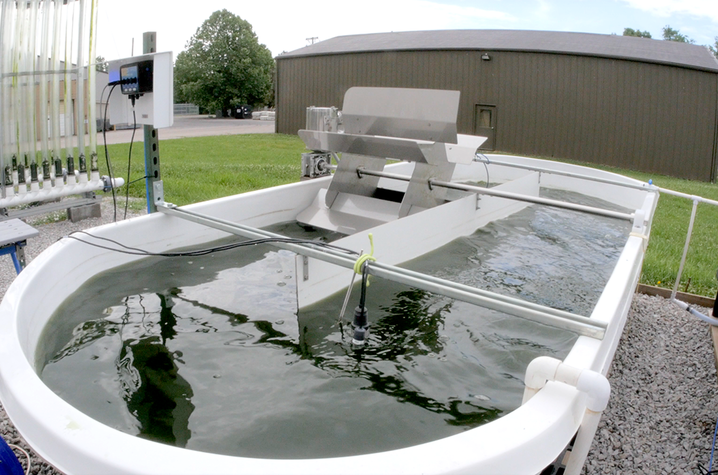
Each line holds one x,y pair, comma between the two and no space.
556,318
507,195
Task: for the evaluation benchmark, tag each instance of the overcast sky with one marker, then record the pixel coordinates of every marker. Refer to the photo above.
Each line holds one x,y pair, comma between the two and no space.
285,25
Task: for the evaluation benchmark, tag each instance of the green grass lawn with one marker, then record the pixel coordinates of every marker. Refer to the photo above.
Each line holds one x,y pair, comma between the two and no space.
203,168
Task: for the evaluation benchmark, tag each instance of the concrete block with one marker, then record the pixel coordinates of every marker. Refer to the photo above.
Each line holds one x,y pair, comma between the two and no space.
79,213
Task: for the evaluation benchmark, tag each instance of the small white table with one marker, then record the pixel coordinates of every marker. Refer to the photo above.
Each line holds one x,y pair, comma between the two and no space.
13,237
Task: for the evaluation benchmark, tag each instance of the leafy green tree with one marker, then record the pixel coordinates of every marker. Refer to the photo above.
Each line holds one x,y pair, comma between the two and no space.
669,34
714,48
224,64
101,64
638,33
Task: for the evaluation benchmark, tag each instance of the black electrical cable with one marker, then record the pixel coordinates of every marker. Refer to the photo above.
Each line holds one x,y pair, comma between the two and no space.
705,471
139,179
202,252
129,158
107,153
364,284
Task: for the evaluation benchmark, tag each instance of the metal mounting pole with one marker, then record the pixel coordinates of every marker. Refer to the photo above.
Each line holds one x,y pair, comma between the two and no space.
153,180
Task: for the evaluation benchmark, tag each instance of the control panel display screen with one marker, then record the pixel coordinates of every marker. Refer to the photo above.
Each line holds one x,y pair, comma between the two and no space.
136,77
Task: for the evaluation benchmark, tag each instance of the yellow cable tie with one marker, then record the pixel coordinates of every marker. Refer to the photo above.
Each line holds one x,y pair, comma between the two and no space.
365,257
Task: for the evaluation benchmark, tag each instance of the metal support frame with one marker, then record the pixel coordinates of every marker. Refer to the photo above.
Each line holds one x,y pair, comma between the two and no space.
505,194
17,254
153,182
10,213
527,310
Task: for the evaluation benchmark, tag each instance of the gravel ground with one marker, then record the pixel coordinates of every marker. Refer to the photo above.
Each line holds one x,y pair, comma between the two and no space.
663,406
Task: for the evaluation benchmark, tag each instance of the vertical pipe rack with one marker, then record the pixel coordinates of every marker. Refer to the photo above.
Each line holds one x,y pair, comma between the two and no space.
45,43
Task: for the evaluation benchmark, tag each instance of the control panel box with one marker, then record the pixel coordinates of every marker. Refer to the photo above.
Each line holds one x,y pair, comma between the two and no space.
149,79
136,78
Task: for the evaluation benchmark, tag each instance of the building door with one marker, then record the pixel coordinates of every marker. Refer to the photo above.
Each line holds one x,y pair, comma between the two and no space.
485,125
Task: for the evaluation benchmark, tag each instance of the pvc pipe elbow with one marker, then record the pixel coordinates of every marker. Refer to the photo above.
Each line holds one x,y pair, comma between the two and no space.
545,368
538,372
109,183
597,388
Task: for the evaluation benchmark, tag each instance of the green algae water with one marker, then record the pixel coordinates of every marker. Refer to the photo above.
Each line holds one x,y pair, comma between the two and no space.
211,354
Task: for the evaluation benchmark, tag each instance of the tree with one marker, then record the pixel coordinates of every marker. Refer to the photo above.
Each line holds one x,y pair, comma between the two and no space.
714,49
101,64
224,64
669,34
638,33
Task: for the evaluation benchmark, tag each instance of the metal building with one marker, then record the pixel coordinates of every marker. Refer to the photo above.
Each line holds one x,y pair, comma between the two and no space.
629,102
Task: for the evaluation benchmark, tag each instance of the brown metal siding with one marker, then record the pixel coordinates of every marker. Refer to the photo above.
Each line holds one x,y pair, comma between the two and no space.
649,117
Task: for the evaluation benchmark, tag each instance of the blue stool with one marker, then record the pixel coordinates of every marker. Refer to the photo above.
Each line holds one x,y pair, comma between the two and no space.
9,464
13,238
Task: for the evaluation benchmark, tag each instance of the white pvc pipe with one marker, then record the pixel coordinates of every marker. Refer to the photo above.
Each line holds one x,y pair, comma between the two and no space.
685,250
598,389
57,192
699,199
539,370
706,318
641,186
595,385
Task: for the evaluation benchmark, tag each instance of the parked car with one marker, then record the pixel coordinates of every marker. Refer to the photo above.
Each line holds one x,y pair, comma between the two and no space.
242,111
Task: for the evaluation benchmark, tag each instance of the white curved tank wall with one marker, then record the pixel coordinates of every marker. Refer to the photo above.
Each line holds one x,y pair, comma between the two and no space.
523,441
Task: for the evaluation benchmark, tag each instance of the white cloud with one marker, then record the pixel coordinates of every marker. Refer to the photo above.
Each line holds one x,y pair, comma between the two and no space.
666,8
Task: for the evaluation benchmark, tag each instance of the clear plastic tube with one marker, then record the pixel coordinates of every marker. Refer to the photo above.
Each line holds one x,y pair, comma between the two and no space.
31,69
10,119
33,34
21,109
44,64
4,12
80,97
69,27
55,66
91,81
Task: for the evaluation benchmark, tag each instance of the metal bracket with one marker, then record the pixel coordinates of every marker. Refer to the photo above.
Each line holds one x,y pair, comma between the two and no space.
305,268
158,191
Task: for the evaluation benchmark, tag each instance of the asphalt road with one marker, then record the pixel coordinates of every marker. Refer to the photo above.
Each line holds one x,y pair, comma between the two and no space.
195,126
